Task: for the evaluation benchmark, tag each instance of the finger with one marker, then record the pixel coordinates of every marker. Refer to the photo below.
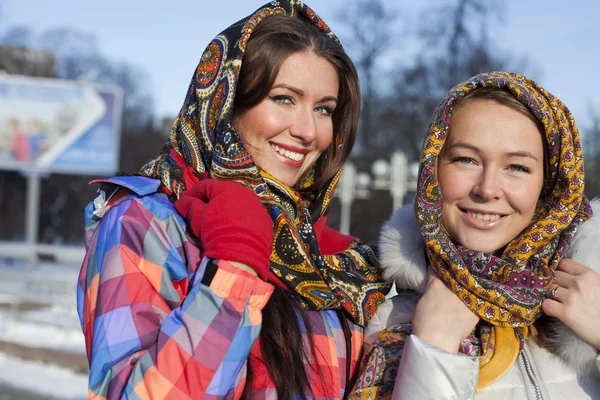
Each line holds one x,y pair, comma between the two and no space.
571,267
183,205
430,271
190,208
554,308
196,191
553,292
432,276
564,279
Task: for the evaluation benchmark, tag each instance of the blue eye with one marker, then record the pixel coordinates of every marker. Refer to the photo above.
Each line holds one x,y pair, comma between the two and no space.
520,168
325,110
463,160
282,99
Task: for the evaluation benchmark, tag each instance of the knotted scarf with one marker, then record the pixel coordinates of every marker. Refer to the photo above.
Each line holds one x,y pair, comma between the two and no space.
203,136
506,292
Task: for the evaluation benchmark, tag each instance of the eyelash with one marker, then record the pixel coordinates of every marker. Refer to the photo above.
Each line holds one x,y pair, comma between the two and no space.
513,167
283,99
521,168
327,110
461,159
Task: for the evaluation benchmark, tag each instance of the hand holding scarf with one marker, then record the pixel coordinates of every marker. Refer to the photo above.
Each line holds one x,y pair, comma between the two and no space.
230,222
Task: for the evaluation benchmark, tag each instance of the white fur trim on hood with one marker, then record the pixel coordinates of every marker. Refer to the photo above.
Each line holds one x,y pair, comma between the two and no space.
401,251
402,255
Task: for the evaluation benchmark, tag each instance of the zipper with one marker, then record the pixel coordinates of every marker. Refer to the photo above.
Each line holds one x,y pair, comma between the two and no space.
348,340
528,367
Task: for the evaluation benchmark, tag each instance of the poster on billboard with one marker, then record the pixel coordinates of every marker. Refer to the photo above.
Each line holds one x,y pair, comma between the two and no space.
59,126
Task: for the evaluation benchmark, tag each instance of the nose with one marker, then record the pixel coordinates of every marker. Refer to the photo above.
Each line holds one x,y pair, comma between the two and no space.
304,125
488,185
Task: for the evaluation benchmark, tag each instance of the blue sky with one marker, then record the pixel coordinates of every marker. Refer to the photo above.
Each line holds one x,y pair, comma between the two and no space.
560,39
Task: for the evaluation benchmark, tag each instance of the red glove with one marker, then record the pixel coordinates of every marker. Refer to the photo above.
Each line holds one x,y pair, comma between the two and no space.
230,222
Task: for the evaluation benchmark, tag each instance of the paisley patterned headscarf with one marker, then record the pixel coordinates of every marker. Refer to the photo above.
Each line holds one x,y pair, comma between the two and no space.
204,138
506,292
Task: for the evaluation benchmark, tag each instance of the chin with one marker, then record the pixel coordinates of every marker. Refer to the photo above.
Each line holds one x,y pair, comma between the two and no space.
286,180
481,245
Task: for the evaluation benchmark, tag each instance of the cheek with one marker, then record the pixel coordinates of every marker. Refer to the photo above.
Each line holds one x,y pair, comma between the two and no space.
257,126
525,195
452,185
526,201
324,135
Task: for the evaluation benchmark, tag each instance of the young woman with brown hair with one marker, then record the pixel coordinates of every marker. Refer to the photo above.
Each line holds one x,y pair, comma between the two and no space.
213,275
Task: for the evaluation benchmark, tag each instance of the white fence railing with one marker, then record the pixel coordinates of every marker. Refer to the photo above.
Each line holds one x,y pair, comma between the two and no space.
63,255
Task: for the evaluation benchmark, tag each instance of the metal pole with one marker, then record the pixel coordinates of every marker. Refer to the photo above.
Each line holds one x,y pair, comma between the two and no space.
32,216
346,191
398,178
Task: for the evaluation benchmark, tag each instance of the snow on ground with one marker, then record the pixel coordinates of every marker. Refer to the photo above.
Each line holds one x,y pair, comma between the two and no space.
44,379
54,326
42,328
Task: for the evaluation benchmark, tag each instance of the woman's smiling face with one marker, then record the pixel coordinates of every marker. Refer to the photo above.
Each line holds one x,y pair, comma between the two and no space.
289,129
490,172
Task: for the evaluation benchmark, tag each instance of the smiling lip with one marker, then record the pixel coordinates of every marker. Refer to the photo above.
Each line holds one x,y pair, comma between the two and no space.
293,157
490,219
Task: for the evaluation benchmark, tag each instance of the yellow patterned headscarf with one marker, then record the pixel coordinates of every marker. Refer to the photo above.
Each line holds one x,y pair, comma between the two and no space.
507,291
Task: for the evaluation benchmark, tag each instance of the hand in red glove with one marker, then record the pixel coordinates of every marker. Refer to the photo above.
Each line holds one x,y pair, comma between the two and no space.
230,222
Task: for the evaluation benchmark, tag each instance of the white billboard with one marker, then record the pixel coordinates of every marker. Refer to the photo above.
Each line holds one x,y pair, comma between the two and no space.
53,125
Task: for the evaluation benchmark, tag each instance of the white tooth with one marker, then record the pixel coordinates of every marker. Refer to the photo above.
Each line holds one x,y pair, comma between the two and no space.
289,154
486,217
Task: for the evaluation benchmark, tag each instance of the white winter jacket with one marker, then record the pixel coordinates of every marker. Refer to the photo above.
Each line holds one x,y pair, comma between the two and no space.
428,372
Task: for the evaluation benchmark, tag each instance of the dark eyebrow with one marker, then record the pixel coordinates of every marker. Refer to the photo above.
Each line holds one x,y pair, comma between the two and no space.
300,92
476,149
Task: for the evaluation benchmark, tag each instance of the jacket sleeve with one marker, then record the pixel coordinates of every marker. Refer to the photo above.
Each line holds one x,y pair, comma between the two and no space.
428,372
156,327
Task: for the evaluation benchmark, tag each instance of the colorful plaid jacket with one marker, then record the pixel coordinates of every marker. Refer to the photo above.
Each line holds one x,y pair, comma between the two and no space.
161,322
